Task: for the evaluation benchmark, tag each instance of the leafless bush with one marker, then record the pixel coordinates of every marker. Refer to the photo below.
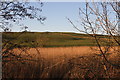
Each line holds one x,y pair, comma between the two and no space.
97,20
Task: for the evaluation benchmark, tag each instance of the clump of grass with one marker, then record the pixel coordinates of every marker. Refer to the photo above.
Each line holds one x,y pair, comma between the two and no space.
23,69
79,67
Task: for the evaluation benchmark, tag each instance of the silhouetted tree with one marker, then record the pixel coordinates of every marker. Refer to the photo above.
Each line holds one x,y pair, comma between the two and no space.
14,12
102,18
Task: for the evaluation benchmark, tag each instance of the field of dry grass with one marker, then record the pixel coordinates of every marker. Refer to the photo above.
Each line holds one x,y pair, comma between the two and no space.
61,62
56,52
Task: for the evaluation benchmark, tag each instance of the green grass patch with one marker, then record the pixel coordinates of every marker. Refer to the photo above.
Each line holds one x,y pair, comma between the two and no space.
49,39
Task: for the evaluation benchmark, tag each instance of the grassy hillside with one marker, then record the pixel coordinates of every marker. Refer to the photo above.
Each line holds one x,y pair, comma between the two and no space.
48,39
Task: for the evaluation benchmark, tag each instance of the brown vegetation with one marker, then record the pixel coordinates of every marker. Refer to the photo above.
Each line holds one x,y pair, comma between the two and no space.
62,62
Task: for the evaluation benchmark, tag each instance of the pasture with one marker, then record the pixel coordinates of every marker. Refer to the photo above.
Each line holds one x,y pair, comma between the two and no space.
51,39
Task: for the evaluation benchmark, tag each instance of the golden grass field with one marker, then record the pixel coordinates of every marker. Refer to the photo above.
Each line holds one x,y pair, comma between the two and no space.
60,62
57,52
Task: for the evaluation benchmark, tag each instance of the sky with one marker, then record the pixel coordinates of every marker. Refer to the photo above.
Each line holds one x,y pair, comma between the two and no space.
56,13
